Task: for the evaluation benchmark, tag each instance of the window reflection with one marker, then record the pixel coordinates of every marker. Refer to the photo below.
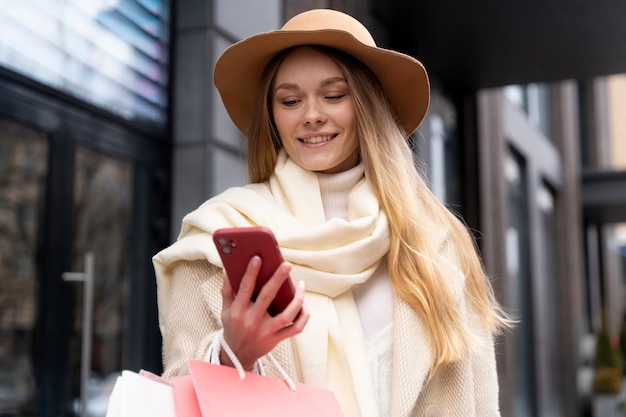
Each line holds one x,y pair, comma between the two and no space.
110,53
518,261
551,297
103,208
534,99
445,176
23,168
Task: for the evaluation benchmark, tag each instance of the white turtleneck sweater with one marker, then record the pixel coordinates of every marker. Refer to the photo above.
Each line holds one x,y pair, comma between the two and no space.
374,298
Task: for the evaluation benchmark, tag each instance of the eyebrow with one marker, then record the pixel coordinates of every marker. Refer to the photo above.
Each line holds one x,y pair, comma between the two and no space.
332,80
324,83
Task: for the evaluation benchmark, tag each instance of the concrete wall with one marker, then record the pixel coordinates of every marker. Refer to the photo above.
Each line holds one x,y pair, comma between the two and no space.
209,151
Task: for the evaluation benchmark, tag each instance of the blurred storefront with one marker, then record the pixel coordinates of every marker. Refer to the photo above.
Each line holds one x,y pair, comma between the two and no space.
84,168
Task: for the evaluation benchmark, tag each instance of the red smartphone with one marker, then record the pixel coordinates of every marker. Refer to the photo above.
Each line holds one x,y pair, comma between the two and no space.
237,245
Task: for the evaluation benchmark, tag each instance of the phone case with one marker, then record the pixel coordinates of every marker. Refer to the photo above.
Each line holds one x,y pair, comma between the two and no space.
236,246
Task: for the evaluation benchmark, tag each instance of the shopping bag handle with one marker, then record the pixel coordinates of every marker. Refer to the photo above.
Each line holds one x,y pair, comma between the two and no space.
220,342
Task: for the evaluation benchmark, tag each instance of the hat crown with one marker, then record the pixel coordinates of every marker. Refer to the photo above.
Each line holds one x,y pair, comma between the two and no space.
326,19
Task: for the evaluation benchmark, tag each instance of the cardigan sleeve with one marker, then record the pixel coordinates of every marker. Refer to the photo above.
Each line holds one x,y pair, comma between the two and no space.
486,382
468,387
193,314
481,364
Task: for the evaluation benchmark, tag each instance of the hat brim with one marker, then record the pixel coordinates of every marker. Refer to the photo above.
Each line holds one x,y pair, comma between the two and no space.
239,69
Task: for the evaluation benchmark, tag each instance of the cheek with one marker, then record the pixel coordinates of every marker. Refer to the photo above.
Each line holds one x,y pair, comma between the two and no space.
283,122
284,130
347,116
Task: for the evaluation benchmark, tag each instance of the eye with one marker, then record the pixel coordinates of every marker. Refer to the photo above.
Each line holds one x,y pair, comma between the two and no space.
289,103
335,96
287,100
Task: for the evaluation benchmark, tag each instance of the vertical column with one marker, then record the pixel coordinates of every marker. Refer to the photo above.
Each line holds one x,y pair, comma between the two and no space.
190,106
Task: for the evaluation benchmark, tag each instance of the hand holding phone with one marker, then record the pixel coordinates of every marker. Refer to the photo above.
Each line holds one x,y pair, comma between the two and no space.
236,246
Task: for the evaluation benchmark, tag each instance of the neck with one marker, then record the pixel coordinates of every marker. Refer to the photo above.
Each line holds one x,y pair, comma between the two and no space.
334,189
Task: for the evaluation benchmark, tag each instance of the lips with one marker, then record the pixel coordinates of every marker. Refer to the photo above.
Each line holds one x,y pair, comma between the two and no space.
317,139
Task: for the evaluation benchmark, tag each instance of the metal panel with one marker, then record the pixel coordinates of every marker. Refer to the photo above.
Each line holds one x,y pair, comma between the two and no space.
604,196
485,43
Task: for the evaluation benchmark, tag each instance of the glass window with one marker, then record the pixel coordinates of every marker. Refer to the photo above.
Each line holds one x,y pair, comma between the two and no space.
551,298
534,100
444,149
23,170
103,210
516,95
112,54
620,239
518,266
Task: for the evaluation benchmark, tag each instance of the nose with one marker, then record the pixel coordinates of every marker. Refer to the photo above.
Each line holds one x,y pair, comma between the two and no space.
313,114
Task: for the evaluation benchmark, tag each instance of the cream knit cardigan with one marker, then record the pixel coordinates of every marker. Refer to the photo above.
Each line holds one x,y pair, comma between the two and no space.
190,308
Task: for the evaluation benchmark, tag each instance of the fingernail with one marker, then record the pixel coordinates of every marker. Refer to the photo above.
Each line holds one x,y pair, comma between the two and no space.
301,285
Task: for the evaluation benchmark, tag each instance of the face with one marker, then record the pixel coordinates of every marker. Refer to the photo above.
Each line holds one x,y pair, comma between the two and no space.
314,113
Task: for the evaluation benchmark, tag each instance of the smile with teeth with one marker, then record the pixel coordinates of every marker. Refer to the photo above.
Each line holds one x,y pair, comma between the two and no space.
317,139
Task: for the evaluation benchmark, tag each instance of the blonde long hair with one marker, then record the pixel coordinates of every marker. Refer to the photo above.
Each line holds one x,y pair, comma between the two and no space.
413,212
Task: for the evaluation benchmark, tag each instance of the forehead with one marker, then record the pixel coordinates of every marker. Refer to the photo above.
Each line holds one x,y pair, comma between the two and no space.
306,58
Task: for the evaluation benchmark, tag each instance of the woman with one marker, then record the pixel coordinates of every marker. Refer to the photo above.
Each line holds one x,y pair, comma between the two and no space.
397,318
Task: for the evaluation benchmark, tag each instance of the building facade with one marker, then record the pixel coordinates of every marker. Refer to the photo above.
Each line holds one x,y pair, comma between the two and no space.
84,174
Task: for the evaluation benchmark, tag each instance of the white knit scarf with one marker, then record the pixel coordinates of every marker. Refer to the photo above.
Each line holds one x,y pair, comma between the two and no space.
329,256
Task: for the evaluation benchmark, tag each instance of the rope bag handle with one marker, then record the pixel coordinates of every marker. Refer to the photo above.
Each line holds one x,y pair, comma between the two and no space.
220,343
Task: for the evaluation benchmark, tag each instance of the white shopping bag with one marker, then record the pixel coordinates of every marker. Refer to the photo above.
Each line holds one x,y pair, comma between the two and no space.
141,394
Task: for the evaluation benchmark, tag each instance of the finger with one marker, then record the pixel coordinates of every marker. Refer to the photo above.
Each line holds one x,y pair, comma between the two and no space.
228,296
248,281
302,319
270,289
296,326
292,311
294,308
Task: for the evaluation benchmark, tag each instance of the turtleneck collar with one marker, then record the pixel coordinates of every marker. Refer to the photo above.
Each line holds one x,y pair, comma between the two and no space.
334,189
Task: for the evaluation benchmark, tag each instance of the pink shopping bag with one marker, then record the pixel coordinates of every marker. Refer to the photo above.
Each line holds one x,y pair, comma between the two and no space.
216,390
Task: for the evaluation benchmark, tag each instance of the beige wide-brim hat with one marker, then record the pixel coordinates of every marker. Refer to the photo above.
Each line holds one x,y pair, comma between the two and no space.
239,69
